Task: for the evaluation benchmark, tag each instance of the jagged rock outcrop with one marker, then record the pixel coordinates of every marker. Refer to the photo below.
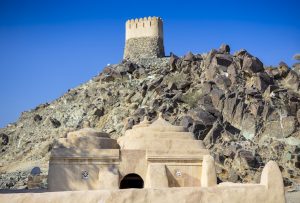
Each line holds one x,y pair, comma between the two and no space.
245,113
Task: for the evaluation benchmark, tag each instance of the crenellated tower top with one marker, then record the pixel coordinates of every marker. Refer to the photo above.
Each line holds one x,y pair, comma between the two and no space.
144,27
144,38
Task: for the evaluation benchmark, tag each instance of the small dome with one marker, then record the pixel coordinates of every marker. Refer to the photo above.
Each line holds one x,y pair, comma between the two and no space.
88,138
87,132
159,136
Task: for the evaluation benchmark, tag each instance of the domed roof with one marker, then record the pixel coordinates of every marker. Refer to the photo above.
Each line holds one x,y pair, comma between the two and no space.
88,138
160,135
87,132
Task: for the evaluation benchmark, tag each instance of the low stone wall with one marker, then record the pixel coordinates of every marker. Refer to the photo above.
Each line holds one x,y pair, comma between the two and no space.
144,47
233,194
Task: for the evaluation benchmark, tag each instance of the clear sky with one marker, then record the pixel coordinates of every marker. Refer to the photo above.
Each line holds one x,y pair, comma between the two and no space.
49,46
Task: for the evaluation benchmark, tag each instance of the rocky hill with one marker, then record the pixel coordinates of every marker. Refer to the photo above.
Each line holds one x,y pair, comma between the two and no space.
245,113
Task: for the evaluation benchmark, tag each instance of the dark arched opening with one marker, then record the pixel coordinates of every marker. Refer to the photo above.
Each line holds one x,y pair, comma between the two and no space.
132,180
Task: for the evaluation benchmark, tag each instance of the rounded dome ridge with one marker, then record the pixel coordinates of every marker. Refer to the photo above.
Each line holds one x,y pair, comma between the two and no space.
88,138
158,136
88,132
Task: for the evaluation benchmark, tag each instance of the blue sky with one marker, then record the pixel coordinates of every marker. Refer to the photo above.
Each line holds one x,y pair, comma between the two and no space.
48,47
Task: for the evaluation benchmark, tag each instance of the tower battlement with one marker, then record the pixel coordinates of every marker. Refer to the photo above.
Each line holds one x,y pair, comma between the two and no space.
144,27
144,38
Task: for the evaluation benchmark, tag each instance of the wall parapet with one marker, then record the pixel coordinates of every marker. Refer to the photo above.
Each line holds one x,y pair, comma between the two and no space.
144,27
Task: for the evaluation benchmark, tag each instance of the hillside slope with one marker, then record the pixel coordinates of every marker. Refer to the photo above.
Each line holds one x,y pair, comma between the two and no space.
245,114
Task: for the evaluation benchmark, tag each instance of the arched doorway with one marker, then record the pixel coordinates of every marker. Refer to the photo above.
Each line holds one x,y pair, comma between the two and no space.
131,180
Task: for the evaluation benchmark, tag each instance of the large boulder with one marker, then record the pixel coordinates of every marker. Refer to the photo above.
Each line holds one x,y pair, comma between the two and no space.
230,103
260,81
210,57
217,97
281,128
126,67
172,61
186,121
233,73
283,69
109,75
245,160
292,81
4,139
252,65
201,115
248,126
222,82
222,60
189,57
224,48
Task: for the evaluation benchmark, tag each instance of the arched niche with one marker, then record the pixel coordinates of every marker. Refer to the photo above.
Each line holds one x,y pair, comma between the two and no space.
131,180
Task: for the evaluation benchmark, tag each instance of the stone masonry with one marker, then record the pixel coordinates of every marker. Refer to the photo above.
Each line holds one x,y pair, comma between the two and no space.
144,38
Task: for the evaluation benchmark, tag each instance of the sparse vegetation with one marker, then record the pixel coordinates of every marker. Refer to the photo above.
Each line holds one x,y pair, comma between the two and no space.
191,98
176,78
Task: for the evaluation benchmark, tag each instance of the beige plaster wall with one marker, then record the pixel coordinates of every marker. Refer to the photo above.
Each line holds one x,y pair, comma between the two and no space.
177,145
68,176
133,161
156,176
184,174
66,167
270,190
244,194
144,27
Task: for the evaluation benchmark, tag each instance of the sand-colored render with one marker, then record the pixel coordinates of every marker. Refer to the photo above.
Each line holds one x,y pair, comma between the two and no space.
150,155
270,190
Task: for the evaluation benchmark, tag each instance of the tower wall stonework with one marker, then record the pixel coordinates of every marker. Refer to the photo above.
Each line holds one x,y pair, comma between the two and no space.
144,38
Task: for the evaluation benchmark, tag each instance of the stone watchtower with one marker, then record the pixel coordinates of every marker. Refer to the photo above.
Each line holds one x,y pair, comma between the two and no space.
144,38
